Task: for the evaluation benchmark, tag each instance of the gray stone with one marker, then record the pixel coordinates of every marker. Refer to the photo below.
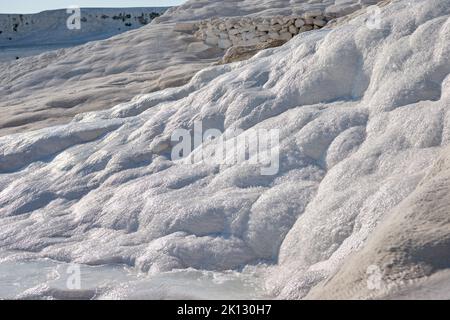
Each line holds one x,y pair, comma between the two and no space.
293,29
225,44
299,23
306,28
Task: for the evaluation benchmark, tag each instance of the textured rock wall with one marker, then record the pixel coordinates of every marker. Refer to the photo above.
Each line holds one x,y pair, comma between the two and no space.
248,31
49,27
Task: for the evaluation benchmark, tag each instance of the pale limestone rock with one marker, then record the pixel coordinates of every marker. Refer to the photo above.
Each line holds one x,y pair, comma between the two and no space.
313,13
288,20
234,32
263,27
274,35
276,27
228,32
235,41
222,27
160,146
211,33
200,35
185,27
299,23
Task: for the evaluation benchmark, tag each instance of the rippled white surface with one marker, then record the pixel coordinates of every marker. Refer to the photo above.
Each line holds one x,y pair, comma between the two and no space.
363,115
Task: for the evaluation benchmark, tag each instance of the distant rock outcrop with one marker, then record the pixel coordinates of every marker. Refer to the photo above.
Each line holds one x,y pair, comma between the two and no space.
50,27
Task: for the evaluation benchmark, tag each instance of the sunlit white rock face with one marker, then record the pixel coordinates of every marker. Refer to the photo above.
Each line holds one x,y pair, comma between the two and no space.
247,31
363,116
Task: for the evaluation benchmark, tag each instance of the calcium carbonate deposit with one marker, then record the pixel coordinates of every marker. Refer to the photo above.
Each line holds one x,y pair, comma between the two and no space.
358,207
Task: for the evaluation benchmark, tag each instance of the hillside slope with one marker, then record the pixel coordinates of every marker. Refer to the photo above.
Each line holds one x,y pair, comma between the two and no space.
411,243
363,118
51,88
